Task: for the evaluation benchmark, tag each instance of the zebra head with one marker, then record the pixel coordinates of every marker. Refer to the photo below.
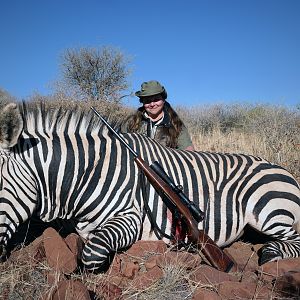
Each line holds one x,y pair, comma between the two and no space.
16,192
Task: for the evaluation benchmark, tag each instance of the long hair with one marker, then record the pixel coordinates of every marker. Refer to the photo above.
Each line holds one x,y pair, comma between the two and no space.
170,133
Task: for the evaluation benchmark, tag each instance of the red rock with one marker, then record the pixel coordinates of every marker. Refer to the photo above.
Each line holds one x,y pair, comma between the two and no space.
275,269
264,291
36,250
208,275
130,269
58,254
71,290
119,281
244,255
236,290
146,248
144,280
248,276
115,266
34,253
75,244
202,294
108,291
151,262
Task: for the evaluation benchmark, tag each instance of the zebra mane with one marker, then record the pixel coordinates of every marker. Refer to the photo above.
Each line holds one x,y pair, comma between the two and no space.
39,117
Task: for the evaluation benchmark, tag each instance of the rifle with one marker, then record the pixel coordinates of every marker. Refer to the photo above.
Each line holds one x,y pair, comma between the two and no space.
163,183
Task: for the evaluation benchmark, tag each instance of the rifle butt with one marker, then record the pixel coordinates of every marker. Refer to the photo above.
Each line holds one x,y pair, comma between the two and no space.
214,254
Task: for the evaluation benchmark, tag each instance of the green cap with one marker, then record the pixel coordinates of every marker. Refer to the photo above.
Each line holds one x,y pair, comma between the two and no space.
150,88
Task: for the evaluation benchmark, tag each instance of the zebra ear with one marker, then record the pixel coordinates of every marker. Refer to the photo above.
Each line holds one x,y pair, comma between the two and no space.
11,125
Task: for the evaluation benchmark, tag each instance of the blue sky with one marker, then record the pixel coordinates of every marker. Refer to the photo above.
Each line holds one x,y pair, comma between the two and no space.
214,51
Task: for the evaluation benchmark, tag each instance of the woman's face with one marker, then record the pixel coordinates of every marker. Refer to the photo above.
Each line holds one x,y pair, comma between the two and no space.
154,106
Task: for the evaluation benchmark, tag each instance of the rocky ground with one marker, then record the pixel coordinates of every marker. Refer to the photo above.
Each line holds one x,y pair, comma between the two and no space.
49,268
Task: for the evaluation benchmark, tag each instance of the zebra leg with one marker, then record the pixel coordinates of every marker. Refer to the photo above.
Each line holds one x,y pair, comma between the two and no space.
286,245
117,233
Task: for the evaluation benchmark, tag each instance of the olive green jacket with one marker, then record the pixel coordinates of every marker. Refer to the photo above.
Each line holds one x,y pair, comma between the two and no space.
155,131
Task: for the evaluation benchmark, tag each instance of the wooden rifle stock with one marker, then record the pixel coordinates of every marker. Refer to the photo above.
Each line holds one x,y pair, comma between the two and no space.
213,253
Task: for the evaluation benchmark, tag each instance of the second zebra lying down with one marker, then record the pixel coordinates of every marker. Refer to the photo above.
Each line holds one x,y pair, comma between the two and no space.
67,166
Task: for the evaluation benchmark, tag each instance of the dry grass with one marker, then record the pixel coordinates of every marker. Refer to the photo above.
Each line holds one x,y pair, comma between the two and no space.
174,283
22,280
235,141
271,132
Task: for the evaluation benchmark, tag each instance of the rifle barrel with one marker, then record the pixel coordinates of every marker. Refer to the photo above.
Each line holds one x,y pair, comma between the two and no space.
120,138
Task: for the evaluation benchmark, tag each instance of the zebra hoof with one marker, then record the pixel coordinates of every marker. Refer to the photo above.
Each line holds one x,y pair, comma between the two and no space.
267,255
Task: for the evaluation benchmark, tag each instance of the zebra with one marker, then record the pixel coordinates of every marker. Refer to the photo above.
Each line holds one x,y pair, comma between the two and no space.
66,165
